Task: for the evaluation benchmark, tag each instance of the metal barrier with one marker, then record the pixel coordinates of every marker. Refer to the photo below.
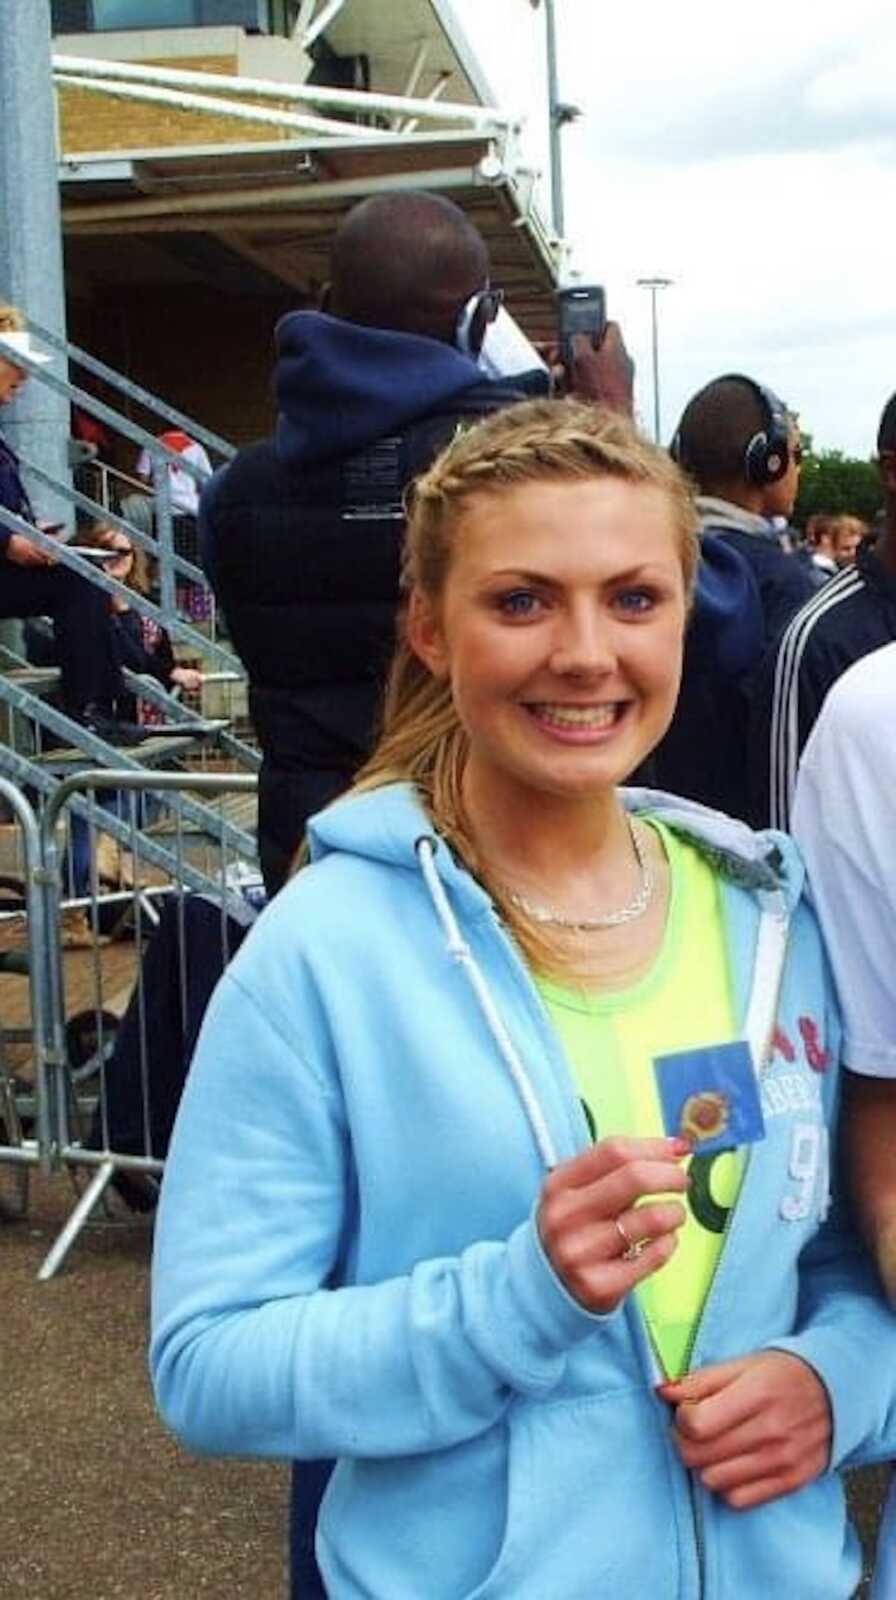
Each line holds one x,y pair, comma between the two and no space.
113,1021
25,959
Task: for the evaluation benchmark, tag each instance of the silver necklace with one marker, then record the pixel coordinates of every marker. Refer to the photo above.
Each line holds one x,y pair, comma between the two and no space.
635,908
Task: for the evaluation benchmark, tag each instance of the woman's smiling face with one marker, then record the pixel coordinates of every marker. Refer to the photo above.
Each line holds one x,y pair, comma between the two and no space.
560,627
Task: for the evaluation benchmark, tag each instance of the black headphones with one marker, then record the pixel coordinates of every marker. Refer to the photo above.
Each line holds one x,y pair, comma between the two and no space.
767,454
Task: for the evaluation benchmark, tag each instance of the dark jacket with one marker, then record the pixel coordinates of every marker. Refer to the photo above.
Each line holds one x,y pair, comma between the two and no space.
852,615
704,754
13,495
301,536
785,582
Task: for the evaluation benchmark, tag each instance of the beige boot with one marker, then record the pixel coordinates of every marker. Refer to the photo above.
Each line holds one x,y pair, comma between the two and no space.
108,859
77,930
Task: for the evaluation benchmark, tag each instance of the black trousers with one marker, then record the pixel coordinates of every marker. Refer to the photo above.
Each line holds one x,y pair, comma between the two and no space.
85,636
285,802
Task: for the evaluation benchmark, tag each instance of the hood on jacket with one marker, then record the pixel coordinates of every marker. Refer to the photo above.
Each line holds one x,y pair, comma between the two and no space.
386,825
340,385
727,625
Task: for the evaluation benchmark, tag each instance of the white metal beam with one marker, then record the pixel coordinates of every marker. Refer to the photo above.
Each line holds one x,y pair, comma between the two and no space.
321,21
410,126
313,93
306,10
241,111
417,65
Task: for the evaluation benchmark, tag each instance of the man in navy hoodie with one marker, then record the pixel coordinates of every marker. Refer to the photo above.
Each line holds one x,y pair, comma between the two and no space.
301,534
741,447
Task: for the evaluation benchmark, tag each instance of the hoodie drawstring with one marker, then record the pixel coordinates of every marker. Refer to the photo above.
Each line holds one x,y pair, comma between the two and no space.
459,950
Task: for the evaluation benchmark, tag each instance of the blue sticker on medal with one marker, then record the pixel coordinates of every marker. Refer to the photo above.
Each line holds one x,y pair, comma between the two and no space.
710,1096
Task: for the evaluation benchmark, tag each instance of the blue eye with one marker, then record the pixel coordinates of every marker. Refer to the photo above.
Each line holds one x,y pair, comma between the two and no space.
636,601
518,603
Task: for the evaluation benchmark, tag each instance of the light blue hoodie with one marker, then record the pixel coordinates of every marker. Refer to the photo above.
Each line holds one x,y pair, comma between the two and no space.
347,1262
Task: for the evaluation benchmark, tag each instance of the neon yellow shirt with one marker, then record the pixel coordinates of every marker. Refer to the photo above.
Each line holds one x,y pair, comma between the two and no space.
611,1039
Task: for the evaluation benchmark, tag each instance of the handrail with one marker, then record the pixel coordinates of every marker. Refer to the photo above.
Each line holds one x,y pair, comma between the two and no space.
167,619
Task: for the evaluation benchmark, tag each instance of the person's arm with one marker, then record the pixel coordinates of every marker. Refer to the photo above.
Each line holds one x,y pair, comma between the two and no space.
251,1351
763,1425
870,1108
15,547
844,816
605,375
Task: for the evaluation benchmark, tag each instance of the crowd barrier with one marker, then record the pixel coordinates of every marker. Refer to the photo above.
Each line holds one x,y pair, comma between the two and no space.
91,1073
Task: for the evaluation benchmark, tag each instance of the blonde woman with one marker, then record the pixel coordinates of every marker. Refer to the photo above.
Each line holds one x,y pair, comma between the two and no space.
501,1170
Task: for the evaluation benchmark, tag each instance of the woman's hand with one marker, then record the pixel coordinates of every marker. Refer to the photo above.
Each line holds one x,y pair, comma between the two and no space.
187,677
599,1240
22,553
753,1429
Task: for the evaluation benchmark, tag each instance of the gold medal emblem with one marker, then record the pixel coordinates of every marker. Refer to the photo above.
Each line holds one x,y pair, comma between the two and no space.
705,1115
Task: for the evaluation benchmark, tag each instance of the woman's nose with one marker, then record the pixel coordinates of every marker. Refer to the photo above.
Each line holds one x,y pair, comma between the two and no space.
583,647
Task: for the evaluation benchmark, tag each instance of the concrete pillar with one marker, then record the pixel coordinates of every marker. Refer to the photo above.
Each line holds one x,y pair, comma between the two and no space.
37,423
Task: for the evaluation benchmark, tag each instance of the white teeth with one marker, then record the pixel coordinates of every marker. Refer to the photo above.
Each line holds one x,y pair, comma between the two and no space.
577,716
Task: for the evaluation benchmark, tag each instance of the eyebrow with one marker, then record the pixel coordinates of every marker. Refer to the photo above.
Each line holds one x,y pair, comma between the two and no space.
628,575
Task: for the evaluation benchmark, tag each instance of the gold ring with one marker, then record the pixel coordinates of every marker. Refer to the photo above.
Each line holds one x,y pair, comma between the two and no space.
633,1247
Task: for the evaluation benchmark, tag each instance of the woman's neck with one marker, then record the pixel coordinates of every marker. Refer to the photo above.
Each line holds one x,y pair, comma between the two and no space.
532,837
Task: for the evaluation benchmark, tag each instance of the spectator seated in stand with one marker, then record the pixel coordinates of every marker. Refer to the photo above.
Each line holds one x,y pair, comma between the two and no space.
193,599
144,647
33,583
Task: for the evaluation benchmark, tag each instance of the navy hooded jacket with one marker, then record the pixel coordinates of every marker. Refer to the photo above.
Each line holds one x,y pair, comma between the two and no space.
301,537
704,754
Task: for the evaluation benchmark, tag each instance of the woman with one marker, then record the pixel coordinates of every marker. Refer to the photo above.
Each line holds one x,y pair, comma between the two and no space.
548,1366
143,646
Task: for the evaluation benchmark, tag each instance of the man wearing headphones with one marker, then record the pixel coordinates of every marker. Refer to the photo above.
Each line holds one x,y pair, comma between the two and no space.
301,534
741,447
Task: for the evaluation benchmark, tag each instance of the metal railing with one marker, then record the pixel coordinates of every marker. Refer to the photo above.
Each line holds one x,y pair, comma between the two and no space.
174,569
112,1019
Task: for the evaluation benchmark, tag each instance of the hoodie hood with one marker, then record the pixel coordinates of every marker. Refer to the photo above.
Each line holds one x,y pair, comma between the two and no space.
386,825
340,386
727,627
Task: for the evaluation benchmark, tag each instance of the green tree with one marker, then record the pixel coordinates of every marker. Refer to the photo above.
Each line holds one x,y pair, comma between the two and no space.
834,483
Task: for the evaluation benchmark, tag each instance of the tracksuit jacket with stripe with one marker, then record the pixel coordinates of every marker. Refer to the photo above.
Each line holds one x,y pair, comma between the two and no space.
852,615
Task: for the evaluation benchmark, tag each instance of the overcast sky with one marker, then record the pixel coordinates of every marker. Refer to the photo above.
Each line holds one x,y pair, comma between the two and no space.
747,153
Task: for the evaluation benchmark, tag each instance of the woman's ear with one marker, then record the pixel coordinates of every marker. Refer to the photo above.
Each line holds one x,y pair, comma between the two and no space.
425,635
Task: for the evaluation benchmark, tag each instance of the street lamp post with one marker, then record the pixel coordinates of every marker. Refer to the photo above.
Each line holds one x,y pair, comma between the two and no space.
654,285
559,113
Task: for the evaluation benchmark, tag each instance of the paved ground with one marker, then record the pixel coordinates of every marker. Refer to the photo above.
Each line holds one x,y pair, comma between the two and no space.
96,1501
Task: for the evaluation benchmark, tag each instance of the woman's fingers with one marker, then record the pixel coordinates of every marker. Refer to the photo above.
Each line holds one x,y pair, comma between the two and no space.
601,1284
598,1238
608,1155
753,1428
772,1467
608,1197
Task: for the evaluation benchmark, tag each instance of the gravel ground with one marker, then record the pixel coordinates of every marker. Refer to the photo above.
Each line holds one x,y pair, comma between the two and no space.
97,1502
